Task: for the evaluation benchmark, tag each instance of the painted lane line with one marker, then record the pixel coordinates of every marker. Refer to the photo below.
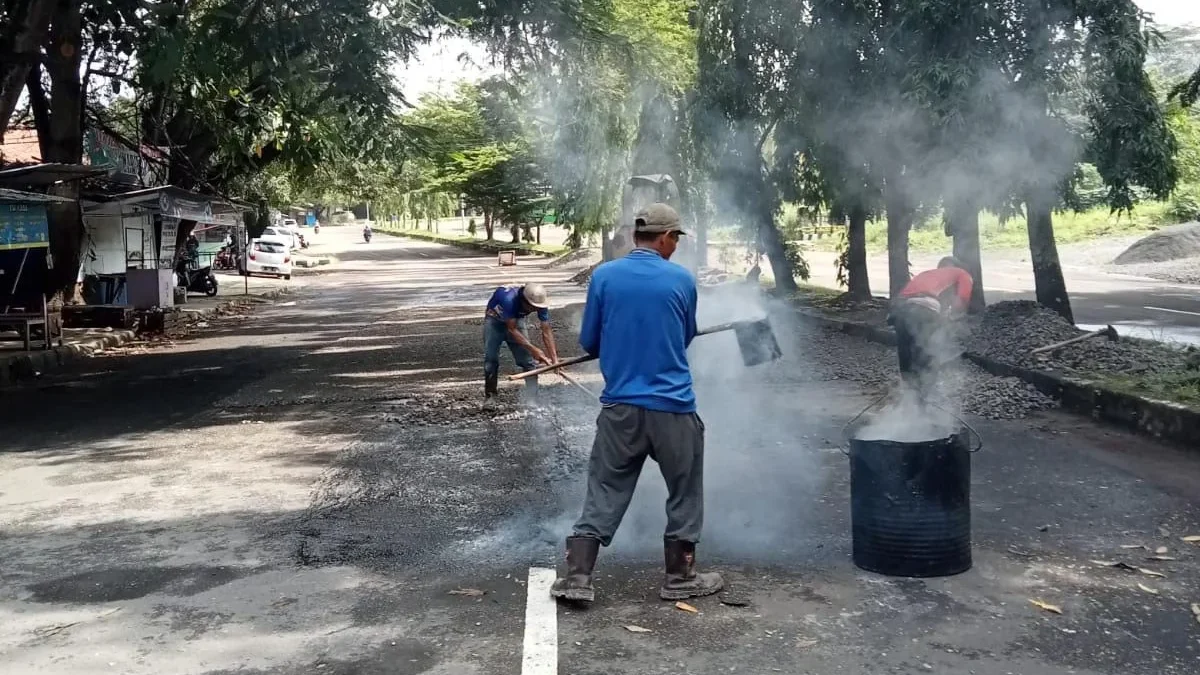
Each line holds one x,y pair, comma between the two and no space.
1172,311
541,624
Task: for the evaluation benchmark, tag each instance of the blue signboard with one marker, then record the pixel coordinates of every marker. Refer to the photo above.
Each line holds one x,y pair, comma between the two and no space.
23,226
310,218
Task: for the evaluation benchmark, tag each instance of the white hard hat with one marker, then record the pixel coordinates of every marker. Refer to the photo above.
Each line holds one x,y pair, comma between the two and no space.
535,295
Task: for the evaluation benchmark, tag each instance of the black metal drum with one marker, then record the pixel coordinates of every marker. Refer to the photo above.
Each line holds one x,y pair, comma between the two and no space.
910,506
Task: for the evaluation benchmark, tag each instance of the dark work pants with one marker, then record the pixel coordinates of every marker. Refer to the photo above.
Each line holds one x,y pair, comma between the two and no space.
625,437
916,329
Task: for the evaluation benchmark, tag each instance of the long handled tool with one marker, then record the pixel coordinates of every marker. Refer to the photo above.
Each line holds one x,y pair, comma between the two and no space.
1108,332
756,342
563,374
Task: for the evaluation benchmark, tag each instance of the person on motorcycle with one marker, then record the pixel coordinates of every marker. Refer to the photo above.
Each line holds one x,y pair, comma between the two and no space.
367,232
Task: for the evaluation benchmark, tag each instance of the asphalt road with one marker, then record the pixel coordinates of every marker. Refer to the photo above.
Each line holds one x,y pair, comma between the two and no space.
1138,306
316,489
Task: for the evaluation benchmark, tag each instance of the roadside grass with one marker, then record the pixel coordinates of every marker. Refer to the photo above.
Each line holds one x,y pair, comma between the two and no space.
1069,227
1178,386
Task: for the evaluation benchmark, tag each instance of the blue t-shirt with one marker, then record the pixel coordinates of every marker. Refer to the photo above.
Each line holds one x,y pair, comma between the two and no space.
639,319
508,303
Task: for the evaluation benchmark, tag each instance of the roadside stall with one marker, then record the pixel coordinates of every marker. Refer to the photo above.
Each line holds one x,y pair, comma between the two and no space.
24,264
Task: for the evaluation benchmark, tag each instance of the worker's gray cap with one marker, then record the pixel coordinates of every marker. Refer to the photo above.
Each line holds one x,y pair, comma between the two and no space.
657,219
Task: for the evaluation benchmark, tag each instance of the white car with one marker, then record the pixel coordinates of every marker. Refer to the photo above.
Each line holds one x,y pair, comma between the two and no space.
269,258
281,235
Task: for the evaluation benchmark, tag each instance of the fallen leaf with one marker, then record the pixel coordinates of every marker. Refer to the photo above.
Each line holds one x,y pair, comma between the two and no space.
1165,558
1147,589
1196,612
469,592
1128,547
1161,550
1104,563
686,607
1151,573
1192,539
1046,606
637,629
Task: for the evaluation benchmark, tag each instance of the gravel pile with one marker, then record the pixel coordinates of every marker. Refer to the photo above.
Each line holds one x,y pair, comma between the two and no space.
584,276
1010,331
1183,271
1171,243
832,355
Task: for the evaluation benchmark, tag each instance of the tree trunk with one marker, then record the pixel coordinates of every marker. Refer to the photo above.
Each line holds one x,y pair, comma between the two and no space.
62,141
488,226
25,39
1043,252
606,245
516,233
857,281
776,250
899,223
962,223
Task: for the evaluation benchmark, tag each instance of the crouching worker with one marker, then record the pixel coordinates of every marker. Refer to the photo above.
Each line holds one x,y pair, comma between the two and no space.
921,315
505,322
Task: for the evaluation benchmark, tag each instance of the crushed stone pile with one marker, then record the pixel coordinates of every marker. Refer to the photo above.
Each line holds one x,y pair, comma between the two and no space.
1010,331
570,257
584,276
1170,243
966,388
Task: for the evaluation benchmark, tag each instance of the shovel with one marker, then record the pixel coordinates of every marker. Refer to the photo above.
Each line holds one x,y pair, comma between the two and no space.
756,342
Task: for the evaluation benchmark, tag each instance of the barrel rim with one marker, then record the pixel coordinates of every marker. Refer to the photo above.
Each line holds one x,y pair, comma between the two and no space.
961,437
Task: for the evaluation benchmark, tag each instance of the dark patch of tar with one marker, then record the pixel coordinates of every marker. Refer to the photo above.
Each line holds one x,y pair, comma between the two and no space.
401,656
128,583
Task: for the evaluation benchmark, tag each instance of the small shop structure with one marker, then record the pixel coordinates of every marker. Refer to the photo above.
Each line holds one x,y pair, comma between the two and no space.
24,263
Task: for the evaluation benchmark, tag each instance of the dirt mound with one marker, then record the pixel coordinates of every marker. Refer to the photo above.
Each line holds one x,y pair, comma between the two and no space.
1172,243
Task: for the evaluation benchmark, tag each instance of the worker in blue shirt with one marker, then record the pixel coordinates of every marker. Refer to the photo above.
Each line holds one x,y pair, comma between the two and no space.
504,322
639,319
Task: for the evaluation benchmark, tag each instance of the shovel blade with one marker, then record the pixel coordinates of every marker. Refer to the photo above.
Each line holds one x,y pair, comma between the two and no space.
756,342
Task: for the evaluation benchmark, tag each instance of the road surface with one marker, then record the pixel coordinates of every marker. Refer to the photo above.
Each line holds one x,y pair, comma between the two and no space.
316,489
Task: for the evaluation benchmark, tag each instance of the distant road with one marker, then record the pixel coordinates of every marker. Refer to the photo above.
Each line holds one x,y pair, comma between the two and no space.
1137,306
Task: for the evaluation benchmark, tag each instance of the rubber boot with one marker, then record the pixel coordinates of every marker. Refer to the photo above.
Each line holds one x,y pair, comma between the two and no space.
581,560
682,580
491,384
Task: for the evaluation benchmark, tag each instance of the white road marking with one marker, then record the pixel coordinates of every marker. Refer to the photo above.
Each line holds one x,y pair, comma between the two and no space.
541,624
1172,311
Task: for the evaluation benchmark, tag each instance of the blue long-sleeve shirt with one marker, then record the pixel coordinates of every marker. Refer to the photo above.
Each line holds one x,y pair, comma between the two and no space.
639,319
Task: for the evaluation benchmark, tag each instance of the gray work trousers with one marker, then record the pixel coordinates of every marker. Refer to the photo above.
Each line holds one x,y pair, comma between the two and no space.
625,436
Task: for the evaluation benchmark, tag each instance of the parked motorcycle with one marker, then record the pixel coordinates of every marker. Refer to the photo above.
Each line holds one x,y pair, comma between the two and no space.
200,280
303,241
226,259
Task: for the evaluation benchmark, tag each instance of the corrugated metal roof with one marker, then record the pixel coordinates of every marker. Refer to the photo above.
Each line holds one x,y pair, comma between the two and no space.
29,197
40,175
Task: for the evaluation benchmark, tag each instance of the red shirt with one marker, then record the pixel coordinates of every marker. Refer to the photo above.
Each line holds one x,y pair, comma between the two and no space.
943,284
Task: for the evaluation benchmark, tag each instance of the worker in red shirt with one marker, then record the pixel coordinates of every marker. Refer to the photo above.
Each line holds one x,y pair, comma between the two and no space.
920,317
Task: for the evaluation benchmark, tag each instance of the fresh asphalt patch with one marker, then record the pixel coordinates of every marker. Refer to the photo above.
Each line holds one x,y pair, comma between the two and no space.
317,489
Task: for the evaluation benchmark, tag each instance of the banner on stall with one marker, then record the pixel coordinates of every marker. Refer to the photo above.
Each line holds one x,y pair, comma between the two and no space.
23,226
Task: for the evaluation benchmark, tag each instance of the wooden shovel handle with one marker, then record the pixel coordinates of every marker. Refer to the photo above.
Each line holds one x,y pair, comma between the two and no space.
554,366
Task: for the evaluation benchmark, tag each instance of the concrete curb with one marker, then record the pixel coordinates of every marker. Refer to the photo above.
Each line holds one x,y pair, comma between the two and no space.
315,261
15,369
1158,419
488,246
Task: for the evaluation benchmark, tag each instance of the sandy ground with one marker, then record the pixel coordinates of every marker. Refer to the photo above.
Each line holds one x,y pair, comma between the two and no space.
300,492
